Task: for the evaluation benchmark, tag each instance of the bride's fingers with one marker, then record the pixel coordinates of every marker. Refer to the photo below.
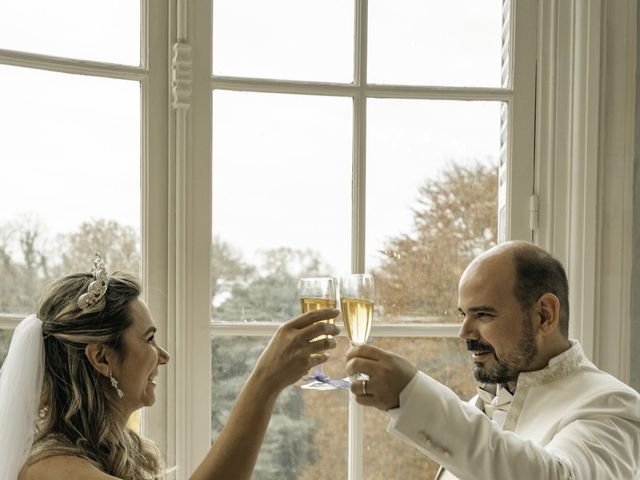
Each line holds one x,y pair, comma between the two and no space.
318,329
321,345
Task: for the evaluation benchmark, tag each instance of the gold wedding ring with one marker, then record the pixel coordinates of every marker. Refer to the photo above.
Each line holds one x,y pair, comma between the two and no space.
364,388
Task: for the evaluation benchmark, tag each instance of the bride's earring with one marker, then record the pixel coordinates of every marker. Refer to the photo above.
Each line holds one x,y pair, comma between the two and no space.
114,384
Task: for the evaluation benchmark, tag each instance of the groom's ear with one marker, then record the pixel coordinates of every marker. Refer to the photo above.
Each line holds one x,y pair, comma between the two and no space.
98,357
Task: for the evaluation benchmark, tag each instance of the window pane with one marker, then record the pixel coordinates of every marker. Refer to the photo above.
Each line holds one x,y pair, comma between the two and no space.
307,435
284,39
100,30
446,360
431,42
70,157
432,201
281,199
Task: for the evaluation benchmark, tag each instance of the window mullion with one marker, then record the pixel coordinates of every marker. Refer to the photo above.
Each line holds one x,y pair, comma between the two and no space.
187,209
359,139
356,414
10,321
518,176
38,61
155,112
192,247
267,329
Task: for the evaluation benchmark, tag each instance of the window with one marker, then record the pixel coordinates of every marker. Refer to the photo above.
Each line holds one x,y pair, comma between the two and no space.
69,145
374,146
204,131
75,141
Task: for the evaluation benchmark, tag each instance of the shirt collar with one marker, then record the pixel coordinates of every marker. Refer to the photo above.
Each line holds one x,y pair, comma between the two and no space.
559,366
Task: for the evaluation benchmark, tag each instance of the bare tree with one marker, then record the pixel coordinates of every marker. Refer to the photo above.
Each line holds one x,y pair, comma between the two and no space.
119,244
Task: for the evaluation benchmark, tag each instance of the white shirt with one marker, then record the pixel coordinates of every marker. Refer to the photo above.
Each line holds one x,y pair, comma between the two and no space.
566,421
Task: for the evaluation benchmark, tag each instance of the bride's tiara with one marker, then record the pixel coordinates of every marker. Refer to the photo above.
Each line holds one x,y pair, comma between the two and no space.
98,287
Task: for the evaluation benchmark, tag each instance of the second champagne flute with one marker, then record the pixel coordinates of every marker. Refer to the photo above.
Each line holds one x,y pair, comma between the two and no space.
357,296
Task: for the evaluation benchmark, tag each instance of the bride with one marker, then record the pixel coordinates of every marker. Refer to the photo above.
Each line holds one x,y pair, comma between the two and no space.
76,372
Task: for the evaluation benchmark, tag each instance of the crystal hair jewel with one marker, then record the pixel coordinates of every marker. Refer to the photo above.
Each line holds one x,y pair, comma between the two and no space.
98,287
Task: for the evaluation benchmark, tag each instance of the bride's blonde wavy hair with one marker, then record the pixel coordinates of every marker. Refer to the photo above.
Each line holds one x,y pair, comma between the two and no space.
78,406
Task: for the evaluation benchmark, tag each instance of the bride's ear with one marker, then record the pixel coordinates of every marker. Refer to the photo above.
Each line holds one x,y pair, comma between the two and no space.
97,355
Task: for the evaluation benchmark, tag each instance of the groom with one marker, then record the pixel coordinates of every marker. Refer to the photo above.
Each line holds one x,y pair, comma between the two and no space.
543,410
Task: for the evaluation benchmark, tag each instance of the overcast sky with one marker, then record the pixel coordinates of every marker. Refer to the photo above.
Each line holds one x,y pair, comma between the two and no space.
70,145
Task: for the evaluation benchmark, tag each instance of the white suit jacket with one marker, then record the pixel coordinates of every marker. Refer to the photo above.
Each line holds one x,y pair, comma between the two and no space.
569,420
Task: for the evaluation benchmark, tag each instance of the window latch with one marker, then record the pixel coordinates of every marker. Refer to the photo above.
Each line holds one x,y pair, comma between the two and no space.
534,212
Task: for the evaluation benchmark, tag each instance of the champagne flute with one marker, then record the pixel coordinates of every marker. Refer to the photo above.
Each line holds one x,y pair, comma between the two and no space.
317,293
357,296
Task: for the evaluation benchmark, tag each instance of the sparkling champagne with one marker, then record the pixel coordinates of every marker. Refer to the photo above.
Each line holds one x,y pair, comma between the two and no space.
313,304
357,314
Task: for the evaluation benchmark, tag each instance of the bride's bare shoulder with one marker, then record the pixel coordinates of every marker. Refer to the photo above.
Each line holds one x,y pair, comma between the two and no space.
62,467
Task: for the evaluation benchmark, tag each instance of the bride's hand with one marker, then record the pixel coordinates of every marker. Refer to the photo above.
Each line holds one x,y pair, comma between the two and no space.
291,353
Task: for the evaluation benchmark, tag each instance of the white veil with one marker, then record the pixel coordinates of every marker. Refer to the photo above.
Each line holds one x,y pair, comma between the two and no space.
20,386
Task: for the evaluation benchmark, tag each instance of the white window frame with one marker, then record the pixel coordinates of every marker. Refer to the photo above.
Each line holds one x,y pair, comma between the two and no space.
517,176
579,79
584,164
583,158
156,228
